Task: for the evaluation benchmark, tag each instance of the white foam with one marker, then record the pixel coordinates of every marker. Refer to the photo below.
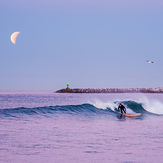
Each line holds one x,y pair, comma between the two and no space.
105,105
153,106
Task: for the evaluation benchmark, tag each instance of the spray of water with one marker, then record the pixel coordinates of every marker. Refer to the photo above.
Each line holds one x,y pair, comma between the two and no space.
153,106
105,105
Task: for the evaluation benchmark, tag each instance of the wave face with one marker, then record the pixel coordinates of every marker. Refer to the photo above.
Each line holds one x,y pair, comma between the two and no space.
147,107
84,109
88,110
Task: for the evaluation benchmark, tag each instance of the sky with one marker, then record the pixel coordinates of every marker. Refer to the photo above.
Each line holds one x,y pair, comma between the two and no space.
86,43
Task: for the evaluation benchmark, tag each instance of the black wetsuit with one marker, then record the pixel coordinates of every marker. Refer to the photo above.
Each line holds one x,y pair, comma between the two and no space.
121,108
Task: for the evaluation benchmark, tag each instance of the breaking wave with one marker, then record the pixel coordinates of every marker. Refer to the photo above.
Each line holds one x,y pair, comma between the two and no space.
95,109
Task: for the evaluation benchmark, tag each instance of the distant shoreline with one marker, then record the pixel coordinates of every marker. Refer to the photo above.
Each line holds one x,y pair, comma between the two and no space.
111,90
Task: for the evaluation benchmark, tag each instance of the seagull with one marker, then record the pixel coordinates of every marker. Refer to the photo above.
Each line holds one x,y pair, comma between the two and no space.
150,61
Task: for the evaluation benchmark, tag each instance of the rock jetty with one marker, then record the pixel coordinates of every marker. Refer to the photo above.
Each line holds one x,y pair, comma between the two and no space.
111,90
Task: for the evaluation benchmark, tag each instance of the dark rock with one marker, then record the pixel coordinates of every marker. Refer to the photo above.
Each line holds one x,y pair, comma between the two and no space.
111,90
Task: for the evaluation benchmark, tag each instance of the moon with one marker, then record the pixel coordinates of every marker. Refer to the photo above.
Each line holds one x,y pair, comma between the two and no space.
13,37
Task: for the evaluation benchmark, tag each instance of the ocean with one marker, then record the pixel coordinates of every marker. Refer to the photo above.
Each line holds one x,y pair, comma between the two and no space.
43,126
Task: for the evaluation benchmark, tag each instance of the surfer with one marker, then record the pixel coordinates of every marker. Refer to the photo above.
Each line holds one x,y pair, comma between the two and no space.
121,108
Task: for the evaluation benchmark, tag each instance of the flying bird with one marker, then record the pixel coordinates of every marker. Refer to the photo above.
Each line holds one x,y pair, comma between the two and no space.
150,61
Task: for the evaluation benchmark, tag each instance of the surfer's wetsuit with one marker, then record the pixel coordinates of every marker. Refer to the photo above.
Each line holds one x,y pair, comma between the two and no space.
121,108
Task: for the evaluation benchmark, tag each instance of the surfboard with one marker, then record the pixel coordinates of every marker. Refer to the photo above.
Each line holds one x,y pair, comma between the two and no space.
132,114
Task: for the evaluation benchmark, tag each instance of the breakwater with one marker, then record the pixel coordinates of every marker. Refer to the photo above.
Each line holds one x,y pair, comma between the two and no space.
111,90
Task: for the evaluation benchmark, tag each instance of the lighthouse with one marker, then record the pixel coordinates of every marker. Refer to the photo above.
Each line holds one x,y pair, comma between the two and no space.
67,86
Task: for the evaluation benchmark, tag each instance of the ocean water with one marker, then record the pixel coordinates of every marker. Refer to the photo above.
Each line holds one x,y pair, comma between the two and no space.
43,126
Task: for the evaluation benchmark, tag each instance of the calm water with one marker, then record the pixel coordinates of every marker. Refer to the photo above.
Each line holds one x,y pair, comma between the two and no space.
63,128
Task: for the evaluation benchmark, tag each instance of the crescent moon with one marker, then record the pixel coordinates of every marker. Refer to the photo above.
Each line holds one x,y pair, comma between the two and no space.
13,37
